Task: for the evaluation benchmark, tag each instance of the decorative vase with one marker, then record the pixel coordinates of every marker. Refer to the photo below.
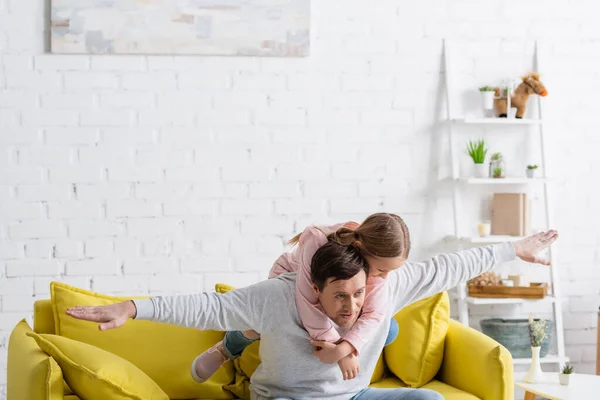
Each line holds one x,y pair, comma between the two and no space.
487,99
480,171
564,379
535,373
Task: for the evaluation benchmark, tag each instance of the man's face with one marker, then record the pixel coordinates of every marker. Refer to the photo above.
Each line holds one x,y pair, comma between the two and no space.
343,300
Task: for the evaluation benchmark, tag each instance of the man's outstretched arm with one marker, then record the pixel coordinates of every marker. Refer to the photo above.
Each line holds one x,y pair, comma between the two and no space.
242,309
415,281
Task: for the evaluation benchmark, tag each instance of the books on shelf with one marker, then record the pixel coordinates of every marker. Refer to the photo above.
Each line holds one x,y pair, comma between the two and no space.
511,214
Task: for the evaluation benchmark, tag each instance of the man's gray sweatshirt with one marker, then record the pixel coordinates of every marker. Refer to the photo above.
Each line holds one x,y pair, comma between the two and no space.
288,368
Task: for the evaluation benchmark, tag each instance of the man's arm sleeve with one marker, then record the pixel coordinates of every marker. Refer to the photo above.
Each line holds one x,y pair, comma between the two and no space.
251,307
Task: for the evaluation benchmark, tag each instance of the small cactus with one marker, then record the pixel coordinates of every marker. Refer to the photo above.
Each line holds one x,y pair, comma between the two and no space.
567,369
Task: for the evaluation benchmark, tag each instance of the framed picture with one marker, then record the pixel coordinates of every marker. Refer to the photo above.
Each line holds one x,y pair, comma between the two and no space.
212,27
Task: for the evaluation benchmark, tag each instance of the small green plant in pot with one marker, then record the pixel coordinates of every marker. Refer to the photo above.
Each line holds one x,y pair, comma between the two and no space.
531,170
565,373
497,166
477,150
487,97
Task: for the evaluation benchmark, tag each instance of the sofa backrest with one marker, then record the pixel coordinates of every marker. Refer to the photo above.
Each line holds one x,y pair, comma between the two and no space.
43,317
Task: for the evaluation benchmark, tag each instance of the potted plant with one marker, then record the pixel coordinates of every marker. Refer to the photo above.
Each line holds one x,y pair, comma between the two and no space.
565,372
497,166
531,170
537,334
477,150
487,97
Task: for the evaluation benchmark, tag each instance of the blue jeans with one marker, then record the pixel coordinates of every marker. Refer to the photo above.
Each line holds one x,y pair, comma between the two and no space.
398,394
391,394
393,332
235,342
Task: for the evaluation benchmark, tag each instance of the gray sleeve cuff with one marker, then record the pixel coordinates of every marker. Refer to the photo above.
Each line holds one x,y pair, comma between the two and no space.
504,252
144,309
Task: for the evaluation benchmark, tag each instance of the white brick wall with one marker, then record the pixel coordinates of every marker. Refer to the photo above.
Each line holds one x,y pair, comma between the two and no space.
151,174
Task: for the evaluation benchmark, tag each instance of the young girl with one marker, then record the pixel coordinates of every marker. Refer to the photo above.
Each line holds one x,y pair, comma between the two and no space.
384,241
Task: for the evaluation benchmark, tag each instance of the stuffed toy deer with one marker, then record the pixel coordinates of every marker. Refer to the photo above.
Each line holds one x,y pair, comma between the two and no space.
531,85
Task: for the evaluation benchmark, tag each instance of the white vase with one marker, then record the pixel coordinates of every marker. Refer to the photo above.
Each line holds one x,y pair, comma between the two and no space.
563,379
487,99
480,170
535,373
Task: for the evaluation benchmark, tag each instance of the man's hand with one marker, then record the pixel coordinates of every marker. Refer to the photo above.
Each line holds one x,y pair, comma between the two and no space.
349,366
326,352
527,249
110,317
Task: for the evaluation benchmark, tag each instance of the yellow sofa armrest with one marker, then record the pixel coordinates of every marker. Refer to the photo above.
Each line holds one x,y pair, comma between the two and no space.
477,364
32,374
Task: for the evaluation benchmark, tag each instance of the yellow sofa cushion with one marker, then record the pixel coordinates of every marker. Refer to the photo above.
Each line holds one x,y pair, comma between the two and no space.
33,374
93,373
247,363
416,355
164,352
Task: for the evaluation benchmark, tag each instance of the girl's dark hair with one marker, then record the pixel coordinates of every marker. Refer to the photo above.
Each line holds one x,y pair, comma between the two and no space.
380,235
337,261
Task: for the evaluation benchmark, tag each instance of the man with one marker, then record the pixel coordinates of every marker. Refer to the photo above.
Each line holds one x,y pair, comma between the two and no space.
289,369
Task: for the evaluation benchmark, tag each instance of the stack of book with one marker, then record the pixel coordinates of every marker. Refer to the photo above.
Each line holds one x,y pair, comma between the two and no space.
510,214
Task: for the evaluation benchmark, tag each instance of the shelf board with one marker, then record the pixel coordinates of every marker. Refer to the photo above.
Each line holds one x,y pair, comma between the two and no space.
492,301
496,121
502,181
492,239
549,359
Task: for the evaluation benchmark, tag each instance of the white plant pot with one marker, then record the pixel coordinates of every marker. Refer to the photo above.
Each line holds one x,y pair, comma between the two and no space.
530,173
487,99
535,373
564,379
480,170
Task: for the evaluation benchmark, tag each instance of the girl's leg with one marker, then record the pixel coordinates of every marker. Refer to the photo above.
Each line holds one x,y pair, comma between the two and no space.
232,346
235,342
393,332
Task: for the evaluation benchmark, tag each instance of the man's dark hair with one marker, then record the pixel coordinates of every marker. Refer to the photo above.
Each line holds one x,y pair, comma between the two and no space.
337,261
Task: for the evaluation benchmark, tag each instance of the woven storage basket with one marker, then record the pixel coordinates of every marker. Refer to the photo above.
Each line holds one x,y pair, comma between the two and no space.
514,335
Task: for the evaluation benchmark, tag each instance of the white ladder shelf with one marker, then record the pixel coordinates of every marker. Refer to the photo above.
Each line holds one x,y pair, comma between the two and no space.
456,122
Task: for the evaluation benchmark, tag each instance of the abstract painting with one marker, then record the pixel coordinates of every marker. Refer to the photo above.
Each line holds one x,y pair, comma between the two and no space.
212,27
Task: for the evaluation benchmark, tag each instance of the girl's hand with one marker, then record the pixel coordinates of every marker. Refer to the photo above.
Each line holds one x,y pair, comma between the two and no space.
527,249
349,366
326,352
110,317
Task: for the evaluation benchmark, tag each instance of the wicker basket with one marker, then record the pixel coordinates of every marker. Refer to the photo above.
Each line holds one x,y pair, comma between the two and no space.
514,335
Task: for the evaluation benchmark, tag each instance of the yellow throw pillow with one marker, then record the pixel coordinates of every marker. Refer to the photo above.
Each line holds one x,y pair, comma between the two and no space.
163,352
93,373
416,355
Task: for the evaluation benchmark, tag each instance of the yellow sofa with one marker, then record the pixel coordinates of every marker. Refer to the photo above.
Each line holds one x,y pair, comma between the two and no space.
432,351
